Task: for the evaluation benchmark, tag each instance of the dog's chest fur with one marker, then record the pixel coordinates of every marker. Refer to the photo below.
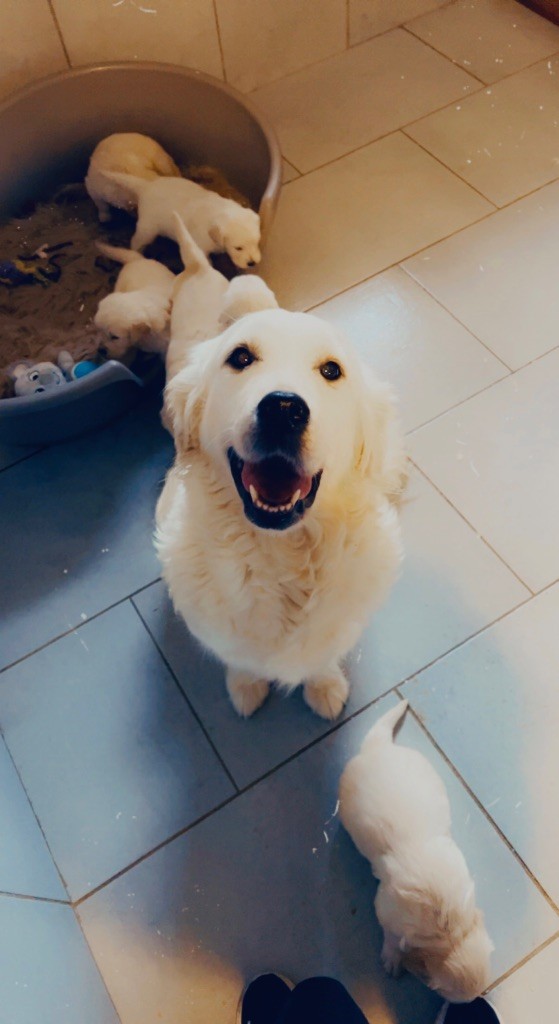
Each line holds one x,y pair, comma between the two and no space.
283,605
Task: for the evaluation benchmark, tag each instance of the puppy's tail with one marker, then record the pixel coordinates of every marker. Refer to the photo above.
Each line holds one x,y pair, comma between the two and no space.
383,730
117,254
191,254
134,185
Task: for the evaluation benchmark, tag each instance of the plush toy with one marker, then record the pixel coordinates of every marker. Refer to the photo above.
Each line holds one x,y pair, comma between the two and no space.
33,378
72,370
40,268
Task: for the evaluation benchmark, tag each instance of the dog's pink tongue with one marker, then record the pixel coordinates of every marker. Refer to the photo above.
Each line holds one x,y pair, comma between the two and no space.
275,480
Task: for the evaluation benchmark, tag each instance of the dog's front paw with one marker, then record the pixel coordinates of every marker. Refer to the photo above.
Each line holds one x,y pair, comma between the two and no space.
246,692
327,694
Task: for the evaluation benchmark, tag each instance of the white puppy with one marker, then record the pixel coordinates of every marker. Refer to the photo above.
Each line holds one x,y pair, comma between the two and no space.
128,152
204,302
277,531
215,223
137,312
395,808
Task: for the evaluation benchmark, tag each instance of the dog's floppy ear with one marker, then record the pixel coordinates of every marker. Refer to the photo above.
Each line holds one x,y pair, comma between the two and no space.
216,235
379,452
184,403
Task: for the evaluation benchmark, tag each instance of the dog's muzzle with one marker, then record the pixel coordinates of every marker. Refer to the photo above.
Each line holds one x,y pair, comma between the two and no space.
273,485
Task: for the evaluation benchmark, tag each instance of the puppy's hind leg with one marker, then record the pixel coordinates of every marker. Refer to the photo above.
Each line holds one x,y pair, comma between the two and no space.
246,691
391,955
327,693
143,235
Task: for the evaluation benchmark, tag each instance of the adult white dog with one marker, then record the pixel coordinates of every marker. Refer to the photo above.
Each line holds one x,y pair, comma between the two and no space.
131,153
395,808
215,223
276,528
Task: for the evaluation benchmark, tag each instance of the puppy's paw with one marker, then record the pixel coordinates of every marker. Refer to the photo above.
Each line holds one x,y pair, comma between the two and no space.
327,694
246,692
391,957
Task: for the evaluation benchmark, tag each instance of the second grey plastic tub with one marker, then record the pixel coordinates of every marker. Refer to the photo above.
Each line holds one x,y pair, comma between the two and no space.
48,132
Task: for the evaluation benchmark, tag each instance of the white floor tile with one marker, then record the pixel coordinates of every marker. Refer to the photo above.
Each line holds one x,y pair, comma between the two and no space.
497,459
499,277
489,38
451,586
505,139
370,17
531,992
342,103
427,357
343,223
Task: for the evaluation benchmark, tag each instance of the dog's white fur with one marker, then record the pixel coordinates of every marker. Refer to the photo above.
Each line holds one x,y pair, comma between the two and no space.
204,302
215,223
130,153
396,809
137,312
283,606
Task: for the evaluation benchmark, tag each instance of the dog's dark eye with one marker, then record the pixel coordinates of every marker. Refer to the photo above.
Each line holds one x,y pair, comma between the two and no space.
240,358
238,248
331,370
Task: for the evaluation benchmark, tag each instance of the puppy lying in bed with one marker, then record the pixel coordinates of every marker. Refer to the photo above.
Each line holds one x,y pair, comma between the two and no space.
395,808
277,527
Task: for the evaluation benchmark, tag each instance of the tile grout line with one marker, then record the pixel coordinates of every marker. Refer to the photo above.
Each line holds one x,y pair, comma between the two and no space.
37,820
35,899
347,25
430,46
22,458
457,320
450,169
184,696
59,32
92,955
79,625
521,963
480,536
219,40
493,384
419,719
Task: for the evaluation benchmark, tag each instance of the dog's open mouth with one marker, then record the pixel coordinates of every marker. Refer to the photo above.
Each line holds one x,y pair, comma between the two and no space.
275,494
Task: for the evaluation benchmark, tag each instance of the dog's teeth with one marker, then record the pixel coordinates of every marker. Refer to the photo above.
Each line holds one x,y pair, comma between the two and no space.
296,497
253,493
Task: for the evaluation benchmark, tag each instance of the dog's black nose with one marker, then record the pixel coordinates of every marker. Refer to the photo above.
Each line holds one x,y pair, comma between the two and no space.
251,263
281,412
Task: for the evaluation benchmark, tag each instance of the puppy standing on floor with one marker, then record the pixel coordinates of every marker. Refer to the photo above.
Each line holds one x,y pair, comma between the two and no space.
395,808
277,527
215,223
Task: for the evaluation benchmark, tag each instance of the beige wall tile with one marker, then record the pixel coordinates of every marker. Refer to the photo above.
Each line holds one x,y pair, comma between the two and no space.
176,31
490,38
369,17
265,39
324,111
29,43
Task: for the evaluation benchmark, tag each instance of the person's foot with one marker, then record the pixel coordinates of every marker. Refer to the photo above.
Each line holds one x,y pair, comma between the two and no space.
478,1012
263,999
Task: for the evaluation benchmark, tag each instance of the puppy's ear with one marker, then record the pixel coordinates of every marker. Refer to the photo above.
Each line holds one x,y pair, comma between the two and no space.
379,453
184,405
216,235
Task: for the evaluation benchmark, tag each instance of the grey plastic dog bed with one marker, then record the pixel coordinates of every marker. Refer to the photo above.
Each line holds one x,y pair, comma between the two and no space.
48,132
